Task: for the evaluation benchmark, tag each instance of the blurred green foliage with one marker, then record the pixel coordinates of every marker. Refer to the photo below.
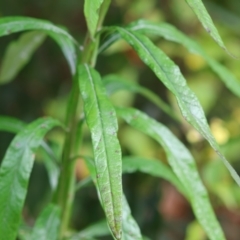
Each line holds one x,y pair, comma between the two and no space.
42,88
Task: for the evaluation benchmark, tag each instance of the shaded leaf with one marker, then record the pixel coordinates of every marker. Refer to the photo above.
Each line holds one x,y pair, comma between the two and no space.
47,224
114,83
97,229
102,122
10,124
203,16
154,168
170,75
183,166
14,125
131,230
91,12
66,42
15,172
19,53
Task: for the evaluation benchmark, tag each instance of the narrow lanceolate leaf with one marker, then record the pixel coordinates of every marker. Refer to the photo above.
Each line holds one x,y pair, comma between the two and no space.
10,124
170,33
114,83
91,12
203,16
183,166
131,230
154,168
102,122
170,75
97,229
15,172
14,125
47,224
66,42
19,53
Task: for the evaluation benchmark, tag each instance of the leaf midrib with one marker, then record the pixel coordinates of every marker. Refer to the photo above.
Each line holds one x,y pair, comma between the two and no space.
103,134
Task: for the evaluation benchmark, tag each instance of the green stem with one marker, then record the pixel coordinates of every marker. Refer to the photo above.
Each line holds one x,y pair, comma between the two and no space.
65,191
64,195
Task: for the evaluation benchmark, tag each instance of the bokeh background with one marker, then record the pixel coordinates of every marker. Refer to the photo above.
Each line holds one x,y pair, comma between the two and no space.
42,88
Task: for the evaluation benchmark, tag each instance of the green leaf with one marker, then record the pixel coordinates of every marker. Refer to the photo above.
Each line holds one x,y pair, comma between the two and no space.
66,42
10,124
97,229
154,168
47,224
91,12
170,75
14,125
170,33
114,83
203,16
102,122
19,53
15,172
131,230
183,166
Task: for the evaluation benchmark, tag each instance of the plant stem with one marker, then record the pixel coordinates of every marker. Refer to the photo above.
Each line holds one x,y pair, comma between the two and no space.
64,195
65,191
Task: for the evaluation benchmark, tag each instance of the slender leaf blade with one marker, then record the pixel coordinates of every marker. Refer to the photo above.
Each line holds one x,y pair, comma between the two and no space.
203,16
97,229
170,75
19,53
15,172
102,122
91,9
154,168
171,33
114,83
14,125
131,230
10,124
47,224
183,166
9,25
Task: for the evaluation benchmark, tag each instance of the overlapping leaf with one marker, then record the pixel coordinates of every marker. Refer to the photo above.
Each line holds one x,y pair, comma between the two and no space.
15,172
97,229
154,168
114,83
91,11
66,42
170,75
14,125
130,229
47,224
183,166
10,124
102,122
19,53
